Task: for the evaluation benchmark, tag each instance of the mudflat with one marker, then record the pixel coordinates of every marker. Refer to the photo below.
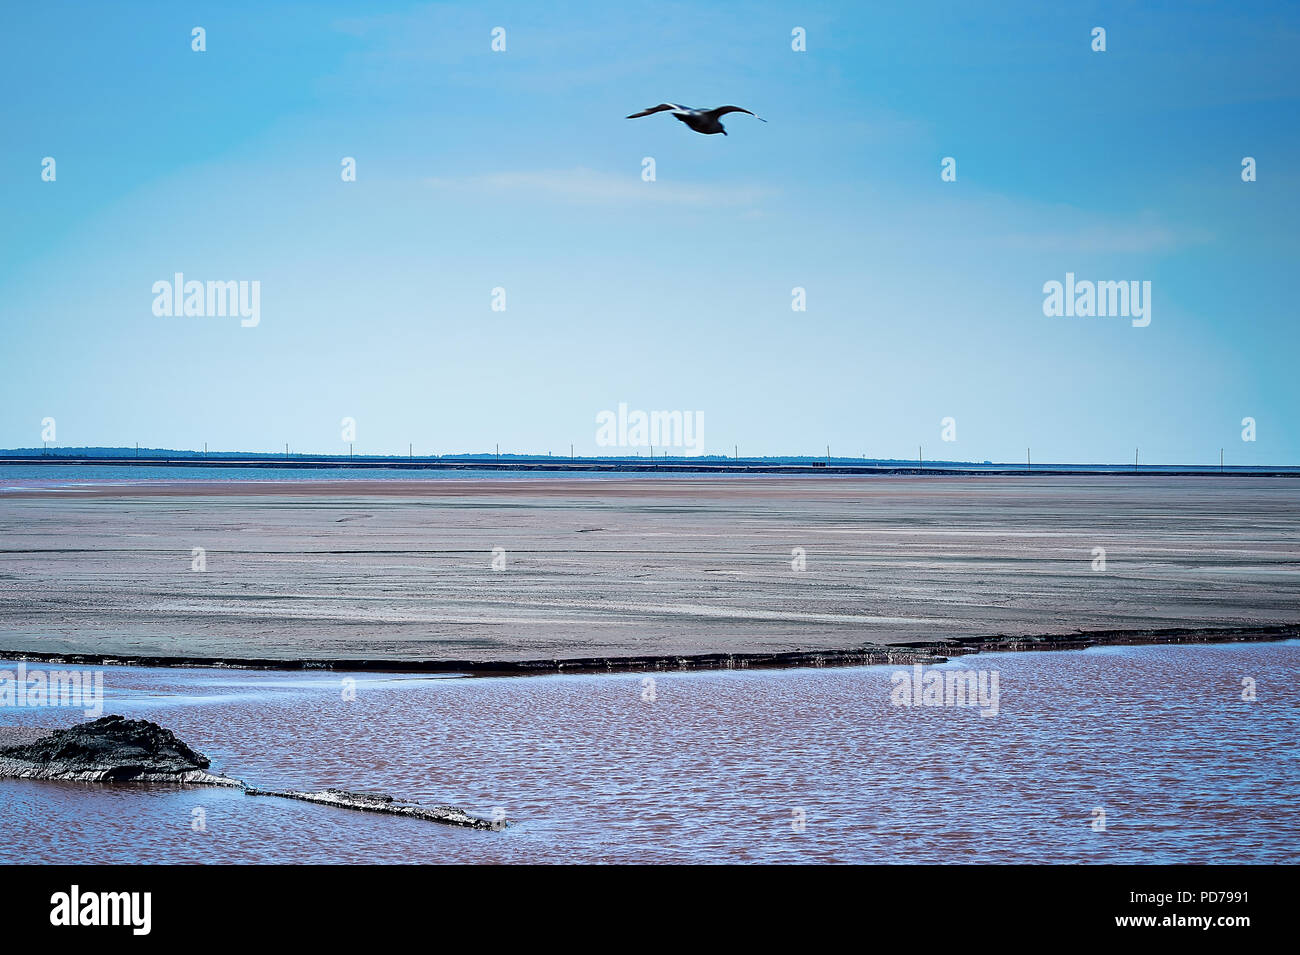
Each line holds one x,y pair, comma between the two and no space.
410,570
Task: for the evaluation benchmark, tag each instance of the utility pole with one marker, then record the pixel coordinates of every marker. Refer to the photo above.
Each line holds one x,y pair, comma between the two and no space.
410,450
498,452
1220,460
286,449
1029,463
828,455
920,465
1135,460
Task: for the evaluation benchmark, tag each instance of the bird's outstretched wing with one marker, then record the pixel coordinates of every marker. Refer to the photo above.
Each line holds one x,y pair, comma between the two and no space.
655,109
724,110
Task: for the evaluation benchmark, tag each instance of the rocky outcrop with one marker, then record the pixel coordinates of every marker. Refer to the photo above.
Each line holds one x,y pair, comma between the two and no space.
114,749
110,749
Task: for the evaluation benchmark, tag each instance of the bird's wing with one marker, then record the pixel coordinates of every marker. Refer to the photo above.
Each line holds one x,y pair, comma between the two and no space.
724,110
655,109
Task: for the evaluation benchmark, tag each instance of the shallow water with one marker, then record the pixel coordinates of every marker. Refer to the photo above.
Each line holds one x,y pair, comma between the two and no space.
69,479
713,769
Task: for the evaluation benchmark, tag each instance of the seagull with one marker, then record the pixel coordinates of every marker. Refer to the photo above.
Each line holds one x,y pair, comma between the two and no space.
701,120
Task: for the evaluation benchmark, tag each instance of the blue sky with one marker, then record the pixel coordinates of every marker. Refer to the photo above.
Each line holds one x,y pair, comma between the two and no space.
479,169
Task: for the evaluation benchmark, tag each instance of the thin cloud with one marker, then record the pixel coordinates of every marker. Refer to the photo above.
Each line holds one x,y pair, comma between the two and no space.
1111,238
592,186
1039,227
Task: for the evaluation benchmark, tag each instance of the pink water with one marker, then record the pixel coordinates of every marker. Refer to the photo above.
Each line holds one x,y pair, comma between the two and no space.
714,768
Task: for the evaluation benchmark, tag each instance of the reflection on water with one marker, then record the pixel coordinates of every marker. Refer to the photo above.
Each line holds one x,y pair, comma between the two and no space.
714,768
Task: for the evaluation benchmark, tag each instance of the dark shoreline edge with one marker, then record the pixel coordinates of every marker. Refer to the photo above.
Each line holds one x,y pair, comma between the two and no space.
866,655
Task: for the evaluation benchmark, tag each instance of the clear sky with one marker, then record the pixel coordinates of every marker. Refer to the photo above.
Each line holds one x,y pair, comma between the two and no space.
479,170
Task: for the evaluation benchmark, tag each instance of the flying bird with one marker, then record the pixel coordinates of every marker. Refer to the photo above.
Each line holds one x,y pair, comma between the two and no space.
701,120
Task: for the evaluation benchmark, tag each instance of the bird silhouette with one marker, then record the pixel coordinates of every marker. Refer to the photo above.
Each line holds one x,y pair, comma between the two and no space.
701,120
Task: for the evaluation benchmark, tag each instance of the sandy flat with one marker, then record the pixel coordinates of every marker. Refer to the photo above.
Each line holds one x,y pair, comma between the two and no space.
402,570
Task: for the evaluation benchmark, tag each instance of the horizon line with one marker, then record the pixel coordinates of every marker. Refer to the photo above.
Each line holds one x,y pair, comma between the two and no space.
137,456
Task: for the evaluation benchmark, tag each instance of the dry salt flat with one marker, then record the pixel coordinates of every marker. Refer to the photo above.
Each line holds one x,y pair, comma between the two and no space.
403,571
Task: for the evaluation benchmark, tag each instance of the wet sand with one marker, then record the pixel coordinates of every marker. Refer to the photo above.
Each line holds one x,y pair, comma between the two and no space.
402,571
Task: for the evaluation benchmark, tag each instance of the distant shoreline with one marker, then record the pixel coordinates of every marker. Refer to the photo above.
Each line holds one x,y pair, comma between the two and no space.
641,466
867,655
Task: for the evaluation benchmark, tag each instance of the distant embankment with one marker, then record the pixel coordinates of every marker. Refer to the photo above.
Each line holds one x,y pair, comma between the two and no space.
616,465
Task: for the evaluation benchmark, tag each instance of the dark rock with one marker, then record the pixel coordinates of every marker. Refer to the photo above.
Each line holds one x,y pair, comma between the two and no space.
115,749
109,749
